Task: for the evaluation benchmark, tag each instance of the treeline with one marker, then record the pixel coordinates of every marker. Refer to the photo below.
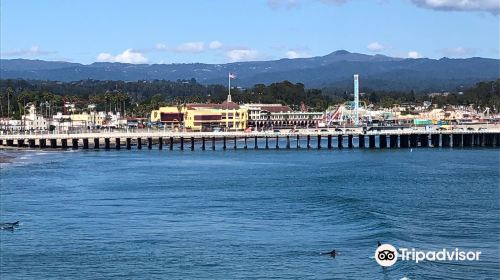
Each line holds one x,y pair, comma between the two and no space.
139,98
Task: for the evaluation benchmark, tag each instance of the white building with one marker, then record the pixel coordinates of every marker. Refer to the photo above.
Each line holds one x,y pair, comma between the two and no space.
33,121
8,124
280,116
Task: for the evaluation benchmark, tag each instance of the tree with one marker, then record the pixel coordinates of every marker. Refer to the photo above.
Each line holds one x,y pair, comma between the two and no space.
9,93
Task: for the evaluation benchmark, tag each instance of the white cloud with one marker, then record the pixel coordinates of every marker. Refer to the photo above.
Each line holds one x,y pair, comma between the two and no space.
161,47
191,47
376,47
33,51
492,6
413,54
457,52
295,54
242,55
215,45
128,56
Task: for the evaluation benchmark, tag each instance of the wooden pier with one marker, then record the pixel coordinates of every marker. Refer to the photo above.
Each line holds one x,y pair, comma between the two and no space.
258,140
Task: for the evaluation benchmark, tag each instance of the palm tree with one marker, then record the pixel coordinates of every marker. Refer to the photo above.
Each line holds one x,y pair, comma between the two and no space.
107,98
9,93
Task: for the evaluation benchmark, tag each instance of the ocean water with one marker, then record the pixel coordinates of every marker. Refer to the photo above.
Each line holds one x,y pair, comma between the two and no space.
247,214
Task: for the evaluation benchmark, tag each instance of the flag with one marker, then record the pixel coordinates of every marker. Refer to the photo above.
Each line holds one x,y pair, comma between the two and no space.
232,75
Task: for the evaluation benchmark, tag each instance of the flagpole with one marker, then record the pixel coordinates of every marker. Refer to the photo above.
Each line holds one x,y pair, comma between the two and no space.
227,102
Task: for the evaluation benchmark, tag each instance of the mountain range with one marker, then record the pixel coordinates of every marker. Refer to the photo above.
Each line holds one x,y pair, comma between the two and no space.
334,70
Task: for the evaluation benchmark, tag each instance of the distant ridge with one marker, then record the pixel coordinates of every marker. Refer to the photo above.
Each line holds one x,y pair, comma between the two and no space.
332,70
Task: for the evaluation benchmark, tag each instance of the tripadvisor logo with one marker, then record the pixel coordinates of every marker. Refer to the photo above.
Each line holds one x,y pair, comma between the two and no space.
387,255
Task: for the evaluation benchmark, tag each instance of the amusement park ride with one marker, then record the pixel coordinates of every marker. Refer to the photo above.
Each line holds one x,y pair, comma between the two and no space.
350,112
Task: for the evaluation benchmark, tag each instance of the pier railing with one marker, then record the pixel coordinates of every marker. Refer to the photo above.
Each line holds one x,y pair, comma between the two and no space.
238,134
407,138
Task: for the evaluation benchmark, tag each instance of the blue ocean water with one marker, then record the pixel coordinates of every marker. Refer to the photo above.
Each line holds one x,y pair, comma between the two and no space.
247,214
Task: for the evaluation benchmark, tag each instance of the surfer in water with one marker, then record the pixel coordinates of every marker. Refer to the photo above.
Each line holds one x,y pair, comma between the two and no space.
9,226
332,254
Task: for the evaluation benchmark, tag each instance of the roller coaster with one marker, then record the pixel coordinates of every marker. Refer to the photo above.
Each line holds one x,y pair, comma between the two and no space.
345,114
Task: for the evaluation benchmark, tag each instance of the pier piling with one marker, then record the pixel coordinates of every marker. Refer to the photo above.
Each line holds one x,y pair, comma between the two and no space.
468,139
382,141
192,143
413,141
445,140
349,141
329,142
308,141
404,141
224,142
435,140
85,143
171,144
319,142
64,143
43,143
424,140
277,143
106,143
96,143
139,143
118,143
31,143
340,143
361,141
182,143
393,141
160,143
371,140
213,143
150,143
255,145
128,143
75,143
202,143
288,142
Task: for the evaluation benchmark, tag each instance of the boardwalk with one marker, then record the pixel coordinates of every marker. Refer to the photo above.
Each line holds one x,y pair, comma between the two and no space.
356,138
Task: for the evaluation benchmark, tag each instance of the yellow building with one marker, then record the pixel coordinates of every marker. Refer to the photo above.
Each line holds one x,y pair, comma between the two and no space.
86,119
203,117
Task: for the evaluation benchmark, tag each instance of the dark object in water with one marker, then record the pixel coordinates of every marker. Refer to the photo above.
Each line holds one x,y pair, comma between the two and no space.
379,244
9,226
332,254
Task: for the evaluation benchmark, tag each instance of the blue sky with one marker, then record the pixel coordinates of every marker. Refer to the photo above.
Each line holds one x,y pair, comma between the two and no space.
220,31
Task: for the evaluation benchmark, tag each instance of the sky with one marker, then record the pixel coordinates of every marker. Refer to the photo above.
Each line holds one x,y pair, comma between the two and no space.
221,31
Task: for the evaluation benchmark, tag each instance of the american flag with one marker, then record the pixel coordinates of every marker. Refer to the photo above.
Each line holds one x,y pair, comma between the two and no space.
232,75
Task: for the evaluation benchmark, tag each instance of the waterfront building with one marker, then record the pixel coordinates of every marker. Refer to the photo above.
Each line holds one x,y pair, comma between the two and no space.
8,124
33,121
92,120
264,116
227,116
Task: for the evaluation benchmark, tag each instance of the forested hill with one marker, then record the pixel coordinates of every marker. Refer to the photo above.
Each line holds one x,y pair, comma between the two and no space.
334,70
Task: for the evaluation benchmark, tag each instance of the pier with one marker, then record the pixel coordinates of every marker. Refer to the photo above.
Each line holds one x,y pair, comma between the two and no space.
255,140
